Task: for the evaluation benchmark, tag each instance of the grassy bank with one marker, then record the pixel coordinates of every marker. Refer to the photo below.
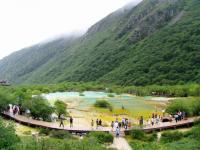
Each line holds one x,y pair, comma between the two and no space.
19,137
169,140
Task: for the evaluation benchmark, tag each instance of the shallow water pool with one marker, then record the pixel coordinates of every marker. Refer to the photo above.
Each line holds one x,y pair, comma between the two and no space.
127,101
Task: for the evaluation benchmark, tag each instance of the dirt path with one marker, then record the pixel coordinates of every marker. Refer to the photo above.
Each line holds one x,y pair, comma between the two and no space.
120,144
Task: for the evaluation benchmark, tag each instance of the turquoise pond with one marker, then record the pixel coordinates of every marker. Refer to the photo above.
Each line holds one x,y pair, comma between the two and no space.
128,101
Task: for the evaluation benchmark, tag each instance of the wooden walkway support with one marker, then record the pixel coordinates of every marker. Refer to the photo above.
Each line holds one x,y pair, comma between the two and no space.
77,130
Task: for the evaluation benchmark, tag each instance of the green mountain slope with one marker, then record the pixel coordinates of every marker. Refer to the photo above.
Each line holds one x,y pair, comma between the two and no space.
21,64
156,42
170,56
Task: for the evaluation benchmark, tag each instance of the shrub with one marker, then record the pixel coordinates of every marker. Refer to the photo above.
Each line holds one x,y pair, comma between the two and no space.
30,143
110,95
27,132
170,136
177,105
81,94
138,134
60,108
194,133
103,104
102,137
197,121
152,137
140,145
183,144
196,107
39,107
5,99
8,138
44,131
60,134
190,105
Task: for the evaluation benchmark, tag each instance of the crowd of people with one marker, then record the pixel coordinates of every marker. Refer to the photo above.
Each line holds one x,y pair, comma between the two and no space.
13,109
117,125
123,124
179,115
155,119
98,123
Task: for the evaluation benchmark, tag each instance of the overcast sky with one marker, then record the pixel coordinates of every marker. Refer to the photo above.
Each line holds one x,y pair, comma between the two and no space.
27,22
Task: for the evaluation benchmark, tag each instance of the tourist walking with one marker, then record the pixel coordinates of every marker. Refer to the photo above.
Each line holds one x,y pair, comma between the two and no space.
14,110
117,131
179,115
100,122
157,120
126,124
120,125
141,121
183,114
97,123
112,125
11,109
18,110
116,124
123,122
129,123
152,121
92,124
71,122
149,122
61,120
176,117
153,115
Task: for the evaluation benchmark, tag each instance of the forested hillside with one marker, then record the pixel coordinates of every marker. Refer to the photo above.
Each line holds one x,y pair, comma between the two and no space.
156,42
18,66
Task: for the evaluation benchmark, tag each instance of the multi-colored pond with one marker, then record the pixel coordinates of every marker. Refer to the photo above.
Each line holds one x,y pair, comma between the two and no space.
80,105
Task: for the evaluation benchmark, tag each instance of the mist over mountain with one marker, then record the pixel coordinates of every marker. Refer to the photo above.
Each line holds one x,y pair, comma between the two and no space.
155,42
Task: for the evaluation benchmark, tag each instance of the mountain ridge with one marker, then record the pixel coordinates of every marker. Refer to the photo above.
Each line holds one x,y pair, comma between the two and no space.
141,45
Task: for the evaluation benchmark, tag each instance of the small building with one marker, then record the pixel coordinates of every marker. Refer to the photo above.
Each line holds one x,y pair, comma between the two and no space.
4,83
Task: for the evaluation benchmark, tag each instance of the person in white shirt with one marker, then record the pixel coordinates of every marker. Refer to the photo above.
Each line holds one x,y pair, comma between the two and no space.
116,124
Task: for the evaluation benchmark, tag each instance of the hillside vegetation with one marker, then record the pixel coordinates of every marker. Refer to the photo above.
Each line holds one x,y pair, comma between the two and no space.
155,42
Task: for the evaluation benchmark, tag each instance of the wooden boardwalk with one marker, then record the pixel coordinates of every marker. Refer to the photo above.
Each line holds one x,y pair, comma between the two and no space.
170,125
81,130
51,125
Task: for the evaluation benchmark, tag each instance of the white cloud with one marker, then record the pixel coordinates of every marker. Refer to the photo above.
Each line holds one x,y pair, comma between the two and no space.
26,22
